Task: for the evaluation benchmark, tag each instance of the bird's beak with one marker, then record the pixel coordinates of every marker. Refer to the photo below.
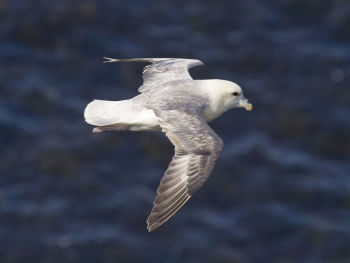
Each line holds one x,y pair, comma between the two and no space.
243,102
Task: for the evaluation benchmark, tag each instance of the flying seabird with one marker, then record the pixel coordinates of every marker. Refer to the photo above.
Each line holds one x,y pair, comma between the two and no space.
171,101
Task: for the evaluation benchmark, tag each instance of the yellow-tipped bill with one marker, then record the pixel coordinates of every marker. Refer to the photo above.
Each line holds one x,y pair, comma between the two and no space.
243,102
249,107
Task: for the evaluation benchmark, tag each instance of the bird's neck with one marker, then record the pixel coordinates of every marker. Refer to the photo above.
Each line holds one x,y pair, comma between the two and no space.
216,102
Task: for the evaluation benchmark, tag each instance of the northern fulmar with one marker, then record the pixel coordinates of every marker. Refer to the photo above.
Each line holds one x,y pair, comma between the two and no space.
171,101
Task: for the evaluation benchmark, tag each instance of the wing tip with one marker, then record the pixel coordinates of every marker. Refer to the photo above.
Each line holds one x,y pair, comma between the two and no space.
110,60
152,226
153,223
200,63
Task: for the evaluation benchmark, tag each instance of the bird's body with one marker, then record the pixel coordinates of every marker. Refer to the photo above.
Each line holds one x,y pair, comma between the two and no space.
173,102
137,114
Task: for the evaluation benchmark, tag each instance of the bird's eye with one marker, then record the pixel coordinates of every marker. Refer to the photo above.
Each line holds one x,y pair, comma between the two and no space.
235,93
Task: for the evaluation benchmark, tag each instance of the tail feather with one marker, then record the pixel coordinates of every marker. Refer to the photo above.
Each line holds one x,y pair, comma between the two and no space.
103,112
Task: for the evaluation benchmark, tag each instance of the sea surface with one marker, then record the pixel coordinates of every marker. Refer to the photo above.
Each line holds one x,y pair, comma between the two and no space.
280,191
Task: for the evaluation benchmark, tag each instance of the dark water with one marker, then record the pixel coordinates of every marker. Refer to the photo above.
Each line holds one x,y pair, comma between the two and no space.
280,191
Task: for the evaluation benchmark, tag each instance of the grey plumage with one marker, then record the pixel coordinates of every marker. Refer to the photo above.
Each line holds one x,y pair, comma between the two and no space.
196,149
162,70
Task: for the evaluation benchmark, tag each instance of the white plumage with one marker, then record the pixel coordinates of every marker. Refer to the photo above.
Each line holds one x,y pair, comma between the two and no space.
123,113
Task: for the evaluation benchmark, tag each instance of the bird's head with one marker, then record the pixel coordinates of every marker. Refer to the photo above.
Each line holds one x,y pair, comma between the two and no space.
234,98
222,96
228,94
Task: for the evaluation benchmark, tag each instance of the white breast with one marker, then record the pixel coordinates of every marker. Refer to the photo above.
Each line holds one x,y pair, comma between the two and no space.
209,113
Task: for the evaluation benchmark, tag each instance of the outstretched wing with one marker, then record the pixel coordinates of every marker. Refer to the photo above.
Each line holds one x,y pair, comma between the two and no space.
197,147
162,70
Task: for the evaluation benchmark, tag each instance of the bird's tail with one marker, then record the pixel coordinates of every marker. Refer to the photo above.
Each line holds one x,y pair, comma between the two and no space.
104,112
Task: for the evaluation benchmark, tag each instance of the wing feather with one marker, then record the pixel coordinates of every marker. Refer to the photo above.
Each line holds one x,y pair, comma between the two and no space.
196,149
161,70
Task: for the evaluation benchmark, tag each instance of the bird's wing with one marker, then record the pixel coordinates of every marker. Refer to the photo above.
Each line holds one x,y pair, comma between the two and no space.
162,70
197,147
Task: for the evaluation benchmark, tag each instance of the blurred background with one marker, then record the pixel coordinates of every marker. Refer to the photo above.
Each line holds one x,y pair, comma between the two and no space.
280,191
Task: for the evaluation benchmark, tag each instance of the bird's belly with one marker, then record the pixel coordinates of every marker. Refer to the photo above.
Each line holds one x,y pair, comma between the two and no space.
144,120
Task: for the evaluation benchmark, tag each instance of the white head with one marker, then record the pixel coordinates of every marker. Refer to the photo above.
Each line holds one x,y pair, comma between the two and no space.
224,95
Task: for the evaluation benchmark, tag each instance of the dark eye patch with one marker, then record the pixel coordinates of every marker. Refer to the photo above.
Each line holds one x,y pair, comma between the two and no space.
235,93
